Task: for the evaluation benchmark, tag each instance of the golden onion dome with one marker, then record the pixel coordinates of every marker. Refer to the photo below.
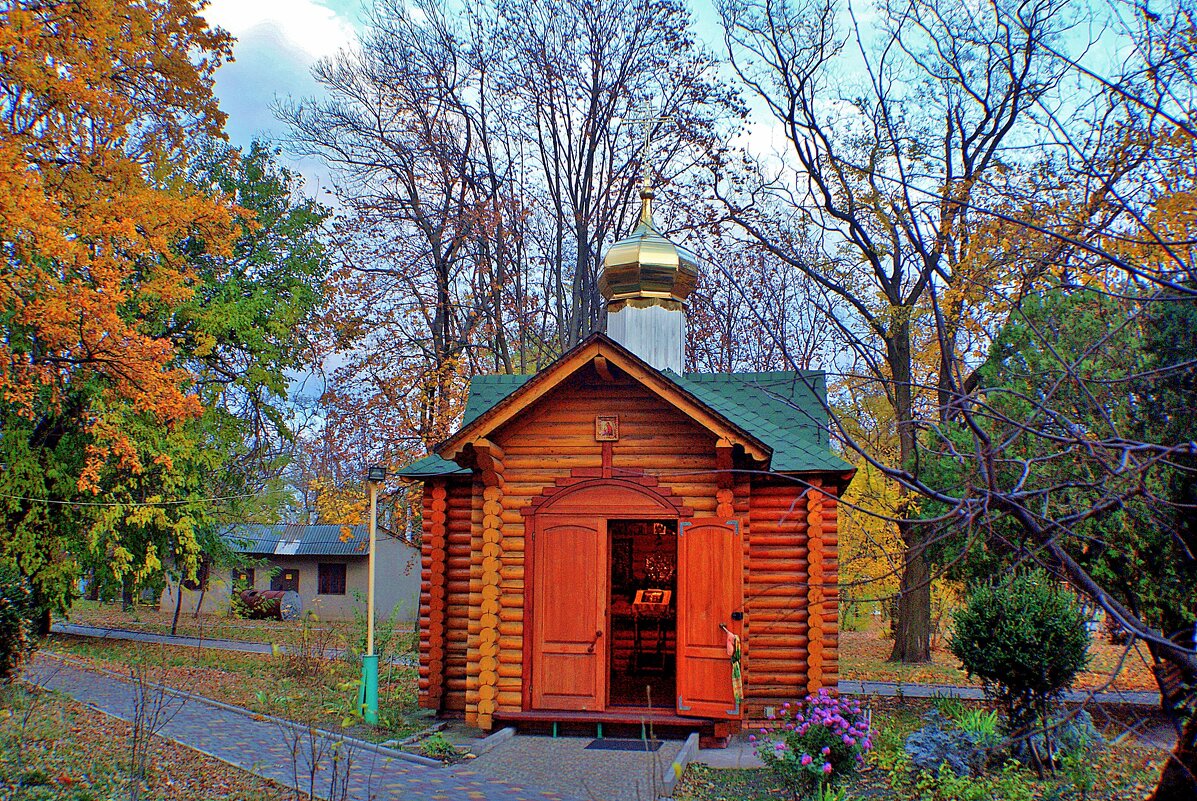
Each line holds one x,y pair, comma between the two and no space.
647,265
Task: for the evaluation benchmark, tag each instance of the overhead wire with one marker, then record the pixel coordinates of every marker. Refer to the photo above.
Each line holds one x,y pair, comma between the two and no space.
60,502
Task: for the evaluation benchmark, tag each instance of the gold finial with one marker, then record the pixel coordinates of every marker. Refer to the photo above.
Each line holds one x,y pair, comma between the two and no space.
646,205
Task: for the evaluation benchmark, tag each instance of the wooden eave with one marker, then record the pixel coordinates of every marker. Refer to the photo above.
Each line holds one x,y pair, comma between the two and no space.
838,480
598,346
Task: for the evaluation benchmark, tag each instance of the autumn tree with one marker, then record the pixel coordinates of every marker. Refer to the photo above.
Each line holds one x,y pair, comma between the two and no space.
103,101
157,287
875,205
483,159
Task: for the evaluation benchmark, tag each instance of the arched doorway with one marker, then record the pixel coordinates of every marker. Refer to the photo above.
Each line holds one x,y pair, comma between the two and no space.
567,598
578,631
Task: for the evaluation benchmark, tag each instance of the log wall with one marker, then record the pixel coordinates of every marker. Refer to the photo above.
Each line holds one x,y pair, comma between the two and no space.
459,512
831,592
432,595
480,640
775,597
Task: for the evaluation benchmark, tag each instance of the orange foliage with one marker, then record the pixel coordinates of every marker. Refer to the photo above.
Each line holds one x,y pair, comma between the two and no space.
104,98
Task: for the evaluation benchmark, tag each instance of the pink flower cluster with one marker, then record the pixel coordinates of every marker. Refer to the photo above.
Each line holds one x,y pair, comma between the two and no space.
819,734
842,717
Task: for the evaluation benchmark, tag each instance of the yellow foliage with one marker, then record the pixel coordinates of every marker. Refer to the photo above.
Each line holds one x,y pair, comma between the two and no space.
105,99
870,546
345,506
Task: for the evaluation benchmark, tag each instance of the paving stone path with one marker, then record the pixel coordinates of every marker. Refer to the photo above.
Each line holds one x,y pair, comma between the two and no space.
276,752
566,764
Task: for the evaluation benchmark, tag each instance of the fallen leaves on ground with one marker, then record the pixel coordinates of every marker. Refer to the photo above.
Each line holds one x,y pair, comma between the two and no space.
212,626
258,682
70,750
864,656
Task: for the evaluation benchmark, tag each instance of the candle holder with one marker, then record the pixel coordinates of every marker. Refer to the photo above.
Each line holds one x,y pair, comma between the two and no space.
659,569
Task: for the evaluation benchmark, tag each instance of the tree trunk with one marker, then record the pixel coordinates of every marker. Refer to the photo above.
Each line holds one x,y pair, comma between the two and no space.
43,622
199,604
126,594
912,628
1178,782
174,623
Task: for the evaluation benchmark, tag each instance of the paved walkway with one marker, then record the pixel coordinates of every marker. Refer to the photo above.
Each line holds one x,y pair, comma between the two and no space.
274,751
567,766
99,632
894,689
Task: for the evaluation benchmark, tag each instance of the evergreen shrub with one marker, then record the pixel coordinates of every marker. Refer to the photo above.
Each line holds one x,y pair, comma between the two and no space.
1024,637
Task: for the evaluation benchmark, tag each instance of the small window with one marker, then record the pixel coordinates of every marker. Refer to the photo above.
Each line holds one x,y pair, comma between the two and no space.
331,579
243,577
285,579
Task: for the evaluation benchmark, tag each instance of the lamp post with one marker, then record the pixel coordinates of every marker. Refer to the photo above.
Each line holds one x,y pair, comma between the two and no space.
375,475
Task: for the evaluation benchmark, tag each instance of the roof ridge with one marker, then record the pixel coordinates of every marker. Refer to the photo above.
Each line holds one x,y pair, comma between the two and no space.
756,374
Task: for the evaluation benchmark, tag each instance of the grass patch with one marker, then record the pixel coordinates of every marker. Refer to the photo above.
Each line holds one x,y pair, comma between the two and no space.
322,692
702,783
52,747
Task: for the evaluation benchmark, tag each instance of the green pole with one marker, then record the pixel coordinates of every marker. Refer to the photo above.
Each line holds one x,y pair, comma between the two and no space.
369,692
368,695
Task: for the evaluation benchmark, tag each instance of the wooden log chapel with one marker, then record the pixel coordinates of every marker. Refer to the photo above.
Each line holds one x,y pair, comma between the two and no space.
593,532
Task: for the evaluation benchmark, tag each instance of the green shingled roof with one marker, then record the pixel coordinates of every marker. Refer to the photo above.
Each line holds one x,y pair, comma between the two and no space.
782,409
785,410
432,465
486,391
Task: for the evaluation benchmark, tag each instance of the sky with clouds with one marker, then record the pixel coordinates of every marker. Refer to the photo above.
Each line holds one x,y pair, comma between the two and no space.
278,41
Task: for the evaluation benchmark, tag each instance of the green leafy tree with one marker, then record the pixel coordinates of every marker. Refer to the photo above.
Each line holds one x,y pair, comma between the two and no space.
1077,364
242,334
16,622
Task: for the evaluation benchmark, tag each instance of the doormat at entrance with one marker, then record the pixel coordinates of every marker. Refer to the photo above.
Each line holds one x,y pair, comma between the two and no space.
624,745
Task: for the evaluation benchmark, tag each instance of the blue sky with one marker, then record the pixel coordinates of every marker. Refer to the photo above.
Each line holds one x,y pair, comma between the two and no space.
278,41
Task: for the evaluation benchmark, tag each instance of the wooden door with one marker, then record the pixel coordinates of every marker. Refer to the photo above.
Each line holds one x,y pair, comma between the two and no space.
710,589
569,613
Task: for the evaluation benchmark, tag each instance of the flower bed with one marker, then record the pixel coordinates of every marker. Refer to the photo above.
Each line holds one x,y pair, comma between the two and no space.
816,744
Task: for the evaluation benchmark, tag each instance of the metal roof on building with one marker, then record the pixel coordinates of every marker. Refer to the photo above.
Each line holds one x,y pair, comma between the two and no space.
299,539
